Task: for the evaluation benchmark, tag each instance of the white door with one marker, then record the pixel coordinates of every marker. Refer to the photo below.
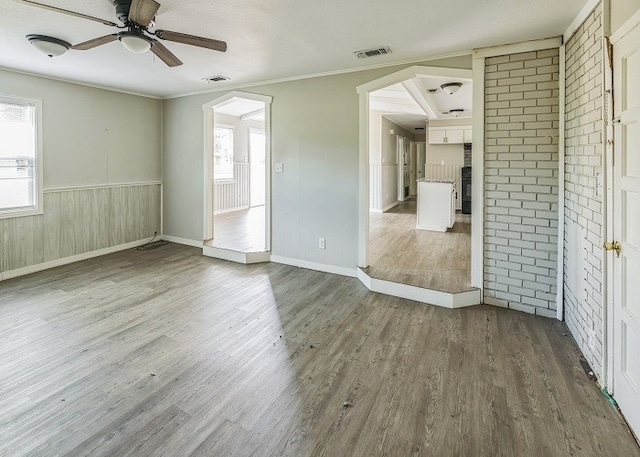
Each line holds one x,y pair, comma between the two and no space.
626,188
257,167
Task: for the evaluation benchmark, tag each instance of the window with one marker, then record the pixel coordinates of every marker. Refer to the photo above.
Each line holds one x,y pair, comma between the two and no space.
223,153
20,158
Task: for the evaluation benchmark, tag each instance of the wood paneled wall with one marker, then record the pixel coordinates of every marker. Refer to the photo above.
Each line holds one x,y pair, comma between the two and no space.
79,221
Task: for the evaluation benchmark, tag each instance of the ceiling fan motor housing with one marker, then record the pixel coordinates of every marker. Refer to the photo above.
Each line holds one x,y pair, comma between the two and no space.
122,9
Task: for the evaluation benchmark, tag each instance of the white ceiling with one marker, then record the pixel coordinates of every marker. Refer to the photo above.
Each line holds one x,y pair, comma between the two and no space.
239,107
412,111
272,39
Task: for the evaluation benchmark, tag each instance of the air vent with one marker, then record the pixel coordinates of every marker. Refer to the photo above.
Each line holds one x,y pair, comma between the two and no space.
215,79
366,53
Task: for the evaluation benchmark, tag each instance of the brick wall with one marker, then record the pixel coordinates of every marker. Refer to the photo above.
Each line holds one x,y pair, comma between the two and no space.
583,255
521,181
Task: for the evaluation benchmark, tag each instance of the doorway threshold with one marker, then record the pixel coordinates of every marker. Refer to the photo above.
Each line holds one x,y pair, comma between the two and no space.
237,256
449,300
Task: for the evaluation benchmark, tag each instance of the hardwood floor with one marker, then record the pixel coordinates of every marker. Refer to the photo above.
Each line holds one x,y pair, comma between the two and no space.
170,353
242,231
432,260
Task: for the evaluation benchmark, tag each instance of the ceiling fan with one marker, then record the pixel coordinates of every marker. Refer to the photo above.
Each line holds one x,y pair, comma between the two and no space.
136,17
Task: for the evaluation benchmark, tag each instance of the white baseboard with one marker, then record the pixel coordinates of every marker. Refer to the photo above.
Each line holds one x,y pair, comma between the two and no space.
388,207
185,241
433,228
230,210
71,259
432,297
236,256
343,271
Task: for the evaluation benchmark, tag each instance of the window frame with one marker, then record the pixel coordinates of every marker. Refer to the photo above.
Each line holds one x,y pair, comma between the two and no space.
232,179
38,195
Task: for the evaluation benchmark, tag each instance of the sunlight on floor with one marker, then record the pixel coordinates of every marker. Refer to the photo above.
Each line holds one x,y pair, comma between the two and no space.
242,231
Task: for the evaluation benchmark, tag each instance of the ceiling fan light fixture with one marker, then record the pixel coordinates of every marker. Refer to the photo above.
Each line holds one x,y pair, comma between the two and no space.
451,88
135,42
53,47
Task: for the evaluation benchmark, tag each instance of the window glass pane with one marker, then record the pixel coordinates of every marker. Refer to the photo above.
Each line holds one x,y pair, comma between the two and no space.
17,155
223,153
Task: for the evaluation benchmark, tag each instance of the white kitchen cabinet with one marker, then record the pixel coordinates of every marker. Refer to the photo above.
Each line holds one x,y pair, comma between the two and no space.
468,136
450,135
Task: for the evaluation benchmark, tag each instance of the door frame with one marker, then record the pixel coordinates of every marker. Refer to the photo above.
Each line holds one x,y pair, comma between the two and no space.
264,132
609,213
400,171
208,162
363,202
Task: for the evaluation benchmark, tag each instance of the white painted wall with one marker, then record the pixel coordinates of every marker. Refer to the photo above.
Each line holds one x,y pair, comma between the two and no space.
92,136
444,154
315,134
375,123
621,10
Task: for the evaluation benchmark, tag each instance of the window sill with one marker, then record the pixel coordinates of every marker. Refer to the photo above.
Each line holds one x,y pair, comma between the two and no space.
8,214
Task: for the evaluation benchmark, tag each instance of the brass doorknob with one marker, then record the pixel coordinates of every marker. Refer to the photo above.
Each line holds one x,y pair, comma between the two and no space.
613,246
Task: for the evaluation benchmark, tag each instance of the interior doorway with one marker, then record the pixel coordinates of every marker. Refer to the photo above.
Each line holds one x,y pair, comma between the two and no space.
237,163
393,247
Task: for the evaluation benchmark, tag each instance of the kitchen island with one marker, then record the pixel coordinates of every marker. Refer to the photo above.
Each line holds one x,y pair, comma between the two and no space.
436,205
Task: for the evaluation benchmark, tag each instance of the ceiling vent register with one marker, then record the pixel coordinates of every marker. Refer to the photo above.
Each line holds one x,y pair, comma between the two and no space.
366,53
215,79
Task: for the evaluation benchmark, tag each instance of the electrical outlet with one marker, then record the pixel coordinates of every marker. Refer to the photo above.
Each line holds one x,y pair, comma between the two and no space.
279,167
322,243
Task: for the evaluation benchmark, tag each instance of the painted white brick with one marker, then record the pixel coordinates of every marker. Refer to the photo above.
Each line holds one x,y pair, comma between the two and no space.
521,161
583,161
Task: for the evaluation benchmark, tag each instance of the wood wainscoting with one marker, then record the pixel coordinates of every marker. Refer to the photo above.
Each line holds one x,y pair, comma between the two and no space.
80,220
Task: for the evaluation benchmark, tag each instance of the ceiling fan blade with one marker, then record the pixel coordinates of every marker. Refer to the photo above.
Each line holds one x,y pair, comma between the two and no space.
192,40
95,42
71,13
165,55
143,11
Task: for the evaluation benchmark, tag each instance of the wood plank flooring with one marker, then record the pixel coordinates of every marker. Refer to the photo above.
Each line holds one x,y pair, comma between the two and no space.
169,353
242,231
400,253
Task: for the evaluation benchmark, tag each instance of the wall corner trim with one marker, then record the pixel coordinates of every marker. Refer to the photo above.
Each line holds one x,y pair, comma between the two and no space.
579,19
625,28
516,48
